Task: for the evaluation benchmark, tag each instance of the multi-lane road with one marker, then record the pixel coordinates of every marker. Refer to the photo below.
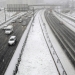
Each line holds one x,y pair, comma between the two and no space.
64,35
6,51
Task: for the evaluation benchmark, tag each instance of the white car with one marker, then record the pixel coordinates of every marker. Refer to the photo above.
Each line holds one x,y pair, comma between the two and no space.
9,29
12,40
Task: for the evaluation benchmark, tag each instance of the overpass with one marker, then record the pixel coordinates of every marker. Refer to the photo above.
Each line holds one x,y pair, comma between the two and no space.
25,7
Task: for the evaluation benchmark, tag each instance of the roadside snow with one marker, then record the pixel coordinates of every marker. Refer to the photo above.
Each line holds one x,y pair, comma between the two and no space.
71,14
70,24
36,58
12,18
8,16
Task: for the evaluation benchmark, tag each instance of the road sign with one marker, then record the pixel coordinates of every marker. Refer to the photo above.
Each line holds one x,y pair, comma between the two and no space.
17,7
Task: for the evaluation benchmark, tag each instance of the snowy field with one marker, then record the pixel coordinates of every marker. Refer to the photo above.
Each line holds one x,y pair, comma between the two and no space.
8,16
69,23
36,58
71,14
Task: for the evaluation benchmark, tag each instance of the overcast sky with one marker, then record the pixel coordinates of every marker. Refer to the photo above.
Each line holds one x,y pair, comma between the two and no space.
55,1
49,1
46,1
2,0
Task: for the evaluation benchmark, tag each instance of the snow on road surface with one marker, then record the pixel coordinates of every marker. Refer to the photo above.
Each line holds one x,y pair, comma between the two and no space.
36,58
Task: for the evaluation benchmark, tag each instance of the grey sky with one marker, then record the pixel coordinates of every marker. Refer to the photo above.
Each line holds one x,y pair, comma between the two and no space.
47,1
55,1
43,1
2,0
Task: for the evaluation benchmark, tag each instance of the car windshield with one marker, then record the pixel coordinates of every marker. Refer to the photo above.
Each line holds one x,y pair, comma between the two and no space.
11,39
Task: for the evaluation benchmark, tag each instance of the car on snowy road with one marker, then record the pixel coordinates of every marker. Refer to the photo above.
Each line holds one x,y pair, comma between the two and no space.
12,40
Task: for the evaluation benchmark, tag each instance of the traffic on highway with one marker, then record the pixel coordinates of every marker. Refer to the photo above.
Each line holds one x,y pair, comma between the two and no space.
37,37
9,38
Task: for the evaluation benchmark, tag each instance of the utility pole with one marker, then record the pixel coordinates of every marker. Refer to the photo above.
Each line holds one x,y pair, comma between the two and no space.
5,14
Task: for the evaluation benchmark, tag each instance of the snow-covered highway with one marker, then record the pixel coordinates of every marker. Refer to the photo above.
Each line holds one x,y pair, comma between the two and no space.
42,54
